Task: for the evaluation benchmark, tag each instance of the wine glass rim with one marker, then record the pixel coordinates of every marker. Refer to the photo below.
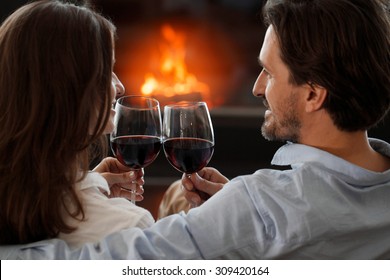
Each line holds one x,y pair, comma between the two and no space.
121,101
186,104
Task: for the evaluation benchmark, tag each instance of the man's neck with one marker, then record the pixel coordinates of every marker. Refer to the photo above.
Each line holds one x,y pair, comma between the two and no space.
350,146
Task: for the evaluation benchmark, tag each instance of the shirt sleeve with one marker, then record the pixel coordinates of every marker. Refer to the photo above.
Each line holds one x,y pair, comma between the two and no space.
218,229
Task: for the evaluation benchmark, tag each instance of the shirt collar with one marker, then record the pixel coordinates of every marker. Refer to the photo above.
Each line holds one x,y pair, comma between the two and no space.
298,154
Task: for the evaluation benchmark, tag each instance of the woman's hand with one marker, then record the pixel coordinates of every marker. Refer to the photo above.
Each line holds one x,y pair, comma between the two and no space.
121,179
200,186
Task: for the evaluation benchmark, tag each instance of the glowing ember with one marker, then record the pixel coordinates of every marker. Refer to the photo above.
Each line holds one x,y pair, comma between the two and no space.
173,78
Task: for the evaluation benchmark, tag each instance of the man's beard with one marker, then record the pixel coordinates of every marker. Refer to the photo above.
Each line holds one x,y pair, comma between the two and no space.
287,127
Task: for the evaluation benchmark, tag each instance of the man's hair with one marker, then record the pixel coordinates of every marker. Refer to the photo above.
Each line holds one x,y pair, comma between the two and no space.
56,63
341,45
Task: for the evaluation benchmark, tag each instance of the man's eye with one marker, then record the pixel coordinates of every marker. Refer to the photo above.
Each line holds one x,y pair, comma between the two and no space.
265,72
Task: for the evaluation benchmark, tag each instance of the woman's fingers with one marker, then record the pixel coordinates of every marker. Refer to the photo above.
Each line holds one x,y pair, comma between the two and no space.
122,181
123,178
128,193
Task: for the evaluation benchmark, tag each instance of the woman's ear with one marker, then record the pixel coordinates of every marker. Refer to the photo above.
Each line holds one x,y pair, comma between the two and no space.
315,97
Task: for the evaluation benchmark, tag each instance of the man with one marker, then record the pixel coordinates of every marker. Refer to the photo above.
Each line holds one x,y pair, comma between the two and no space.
325,81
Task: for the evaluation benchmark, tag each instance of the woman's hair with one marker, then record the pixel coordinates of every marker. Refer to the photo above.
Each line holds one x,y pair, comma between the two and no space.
341,45
56,64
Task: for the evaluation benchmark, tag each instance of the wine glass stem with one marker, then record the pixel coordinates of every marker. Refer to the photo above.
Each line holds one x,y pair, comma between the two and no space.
133,192
132,196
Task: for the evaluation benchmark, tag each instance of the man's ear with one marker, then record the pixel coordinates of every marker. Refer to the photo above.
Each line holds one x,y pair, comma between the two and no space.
315,97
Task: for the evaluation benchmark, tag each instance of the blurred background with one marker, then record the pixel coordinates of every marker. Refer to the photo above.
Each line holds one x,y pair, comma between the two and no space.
211,44
195,50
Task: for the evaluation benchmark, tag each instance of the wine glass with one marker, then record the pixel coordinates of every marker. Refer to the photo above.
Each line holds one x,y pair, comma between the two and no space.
136,138
188,136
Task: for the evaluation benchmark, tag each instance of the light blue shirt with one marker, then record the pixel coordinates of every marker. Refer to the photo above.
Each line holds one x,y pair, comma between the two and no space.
321,208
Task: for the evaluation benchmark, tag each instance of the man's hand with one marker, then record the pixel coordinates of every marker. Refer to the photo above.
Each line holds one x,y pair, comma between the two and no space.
200,186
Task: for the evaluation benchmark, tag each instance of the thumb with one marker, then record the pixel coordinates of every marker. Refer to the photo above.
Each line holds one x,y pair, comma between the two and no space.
204,185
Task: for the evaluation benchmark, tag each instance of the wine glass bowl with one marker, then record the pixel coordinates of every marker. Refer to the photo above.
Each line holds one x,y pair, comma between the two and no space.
188,136
136,138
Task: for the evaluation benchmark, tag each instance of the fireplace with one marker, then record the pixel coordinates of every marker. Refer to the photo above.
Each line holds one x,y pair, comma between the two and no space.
213,44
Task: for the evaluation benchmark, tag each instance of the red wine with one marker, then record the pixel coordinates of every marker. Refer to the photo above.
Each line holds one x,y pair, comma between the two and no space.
136,151
188,155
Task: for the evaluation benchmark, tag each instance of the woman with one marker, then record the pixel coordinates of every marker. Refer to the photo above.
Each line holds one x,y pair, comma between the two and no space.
57,88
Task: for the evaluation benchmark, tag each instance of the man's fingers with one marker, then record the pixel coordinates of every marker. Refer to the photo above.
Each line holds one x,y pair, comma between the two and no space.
193,198
204,185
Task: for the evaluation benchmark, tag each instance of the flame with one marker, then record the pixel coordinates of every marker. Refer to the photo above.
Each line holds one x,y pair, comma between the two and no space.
173,79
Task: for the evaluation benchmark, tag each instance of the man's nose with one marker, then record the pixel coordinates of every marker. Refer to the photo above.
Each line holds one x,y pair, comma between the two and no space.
259,86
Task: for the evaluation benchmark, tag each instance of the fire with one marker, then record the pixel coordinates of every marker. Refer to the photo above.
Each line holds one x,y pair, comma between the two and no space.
173,79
